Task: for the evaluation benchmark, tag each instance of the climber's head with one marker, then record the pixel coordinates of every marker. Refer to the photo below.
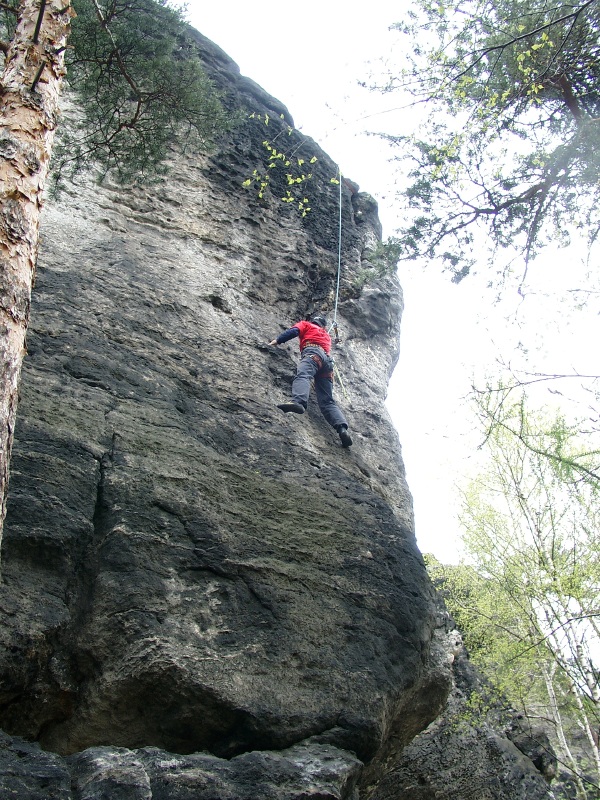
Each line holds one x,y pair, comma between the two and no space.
319,320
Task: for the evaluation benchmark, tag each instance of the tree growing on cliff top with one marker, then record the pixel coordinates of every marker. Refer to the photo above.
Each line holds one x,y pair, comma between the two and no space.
527,596
138,94
510,135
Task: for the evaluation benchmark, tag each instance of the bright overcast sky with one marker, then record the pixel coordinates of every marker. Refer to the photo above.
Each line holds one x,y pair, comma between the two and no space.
311,56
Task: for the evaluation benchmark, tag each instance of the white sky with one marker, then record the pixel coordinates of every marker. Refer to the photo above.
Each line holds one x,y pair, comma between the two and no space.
310,56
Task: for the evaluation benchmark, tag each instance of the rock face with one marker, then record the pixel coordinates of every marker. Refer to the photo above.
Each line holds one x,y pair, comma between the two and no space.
308,770
465,754
201,597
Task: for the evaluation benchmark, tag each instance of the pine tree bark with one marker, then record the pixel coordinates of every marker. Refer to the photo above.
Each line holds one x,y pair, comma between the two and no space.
29,86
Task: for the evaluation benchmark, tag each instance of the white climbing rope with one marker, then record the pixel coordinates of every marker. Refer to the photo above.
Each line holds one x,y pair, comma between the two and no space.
339,269
339,377
337,288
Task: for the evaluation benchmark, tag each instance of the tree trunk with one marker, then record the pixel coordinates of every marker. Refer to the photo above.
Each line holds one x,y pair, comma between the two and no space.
29,86
560,732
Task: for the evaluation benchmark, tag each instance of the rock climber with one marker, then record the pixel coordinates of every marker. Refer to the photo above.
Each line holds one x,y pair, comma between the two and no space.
315,362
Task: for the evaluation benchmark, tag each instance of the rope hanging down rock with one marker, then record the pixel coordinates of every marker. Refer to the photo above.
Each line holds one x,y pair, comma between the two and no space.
339,268
333,325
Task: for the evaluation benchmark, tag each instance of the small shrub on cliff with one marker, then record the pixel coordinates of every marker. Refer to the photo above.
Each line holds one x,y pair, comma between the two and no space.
284,156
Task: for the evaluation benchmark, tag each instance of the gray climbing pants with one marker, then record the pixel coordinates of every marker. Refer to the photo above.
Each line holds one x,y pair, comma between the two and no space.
316,365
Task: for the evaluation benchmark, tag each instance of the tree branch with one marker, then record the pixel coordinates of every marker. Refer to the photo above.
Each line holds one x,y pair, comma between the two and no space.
117,52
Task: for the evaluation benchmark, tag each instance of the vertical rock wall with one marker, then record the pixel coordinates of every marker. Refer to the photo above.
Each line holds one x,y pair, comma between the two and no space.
202,597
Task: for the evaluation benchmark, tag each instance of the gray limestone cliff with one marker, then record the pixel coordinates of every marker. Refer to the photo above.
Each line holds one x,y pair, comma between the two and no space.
201,597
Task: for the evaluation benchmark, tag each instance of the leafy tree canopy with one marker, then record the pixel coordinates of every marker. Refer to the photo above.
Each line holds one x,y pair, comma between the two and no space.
510,137
139,87
527,593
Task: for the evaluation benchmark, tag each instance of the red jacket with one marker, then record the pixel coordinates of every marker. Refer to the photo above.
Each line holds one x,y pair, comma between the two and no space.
309,333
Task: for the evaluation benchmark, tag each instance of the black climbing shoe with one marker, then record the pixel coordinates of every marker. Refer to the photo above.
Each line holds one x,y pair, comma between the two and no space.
345,437
297,408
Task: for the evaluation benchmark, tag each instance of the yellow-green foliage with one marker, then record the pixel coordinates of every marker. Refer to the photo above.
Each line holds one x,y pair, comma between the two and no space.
296,169
526,595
